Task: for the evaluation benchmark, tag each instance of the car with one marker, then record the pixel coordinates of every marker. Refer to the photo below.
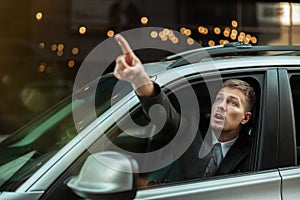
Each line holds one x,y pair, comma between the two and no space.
57,156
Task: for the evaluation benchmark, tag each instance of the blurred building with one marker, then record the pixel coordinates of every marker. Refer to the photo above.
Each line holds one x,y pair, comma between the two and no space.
43,43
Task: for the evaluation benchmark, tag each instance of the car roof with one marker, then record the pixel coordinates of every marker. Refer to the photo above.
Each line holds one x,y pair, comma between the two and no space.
235,50
221,64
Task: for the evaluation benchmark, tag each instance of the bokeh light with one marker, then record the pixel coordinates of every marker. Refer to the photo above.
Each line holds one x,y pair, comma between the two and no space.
82,30
39,16
110,33
75,51
71,63
144,20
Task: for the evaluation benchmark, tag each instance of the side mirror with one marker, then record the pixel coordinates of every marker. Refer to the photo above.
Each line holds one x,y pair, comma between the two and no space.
106,175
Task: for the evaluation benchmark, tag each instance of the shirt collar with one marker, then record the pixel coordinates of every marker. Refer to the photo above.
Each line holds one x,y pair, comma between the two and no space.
225,145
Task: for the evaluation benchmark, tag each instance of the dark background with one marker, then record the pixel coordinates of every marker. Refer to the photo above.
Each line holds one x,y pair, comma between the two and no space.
35,74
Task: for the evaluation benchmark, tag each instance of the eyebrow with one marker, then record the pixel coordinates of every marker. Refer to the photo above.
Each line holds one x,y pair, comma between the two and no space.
230,96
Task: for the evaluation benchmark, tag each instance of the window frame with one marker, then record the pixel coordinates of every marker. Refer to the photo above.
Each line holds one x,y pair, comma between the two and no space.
289,171
265,168
263,77
287,155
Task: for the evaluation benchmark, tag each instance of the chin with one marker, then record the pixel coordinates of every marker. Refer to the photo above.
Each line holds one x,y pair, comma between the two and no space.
217,127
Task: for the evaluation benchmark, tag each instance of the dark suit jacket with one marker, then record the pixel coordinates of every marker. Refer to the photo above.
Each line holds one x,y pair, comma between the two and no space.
190,165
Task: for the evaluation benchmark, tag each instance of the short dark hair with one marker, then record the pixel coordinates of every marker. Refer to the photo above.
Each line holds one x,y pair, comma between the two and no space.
245,88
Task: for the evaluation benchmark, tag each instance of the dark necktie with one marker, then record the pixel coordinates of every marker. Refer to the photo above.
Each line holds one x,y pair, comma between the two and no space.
215,160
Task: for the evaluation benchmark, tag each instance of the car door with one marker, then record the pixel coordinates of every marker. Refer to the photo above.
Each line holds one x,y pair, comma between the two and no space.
289,152
261,182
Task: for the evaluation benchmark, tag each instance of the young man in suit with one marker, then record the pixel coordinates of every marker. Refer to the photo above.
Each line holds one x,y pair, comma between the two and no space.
225,150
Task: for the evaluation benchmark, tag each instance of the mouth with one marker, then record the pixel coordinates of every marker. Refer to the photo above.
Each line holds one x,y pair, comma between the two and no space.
219,117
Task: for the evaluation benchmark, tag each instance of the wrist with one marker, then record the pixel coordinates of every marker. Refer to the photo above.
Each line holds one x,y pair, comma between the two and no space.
144,87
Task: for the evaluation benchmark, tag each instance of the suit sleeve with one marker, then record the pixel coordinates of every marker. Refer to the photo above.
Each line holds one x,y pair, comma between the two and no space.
161,112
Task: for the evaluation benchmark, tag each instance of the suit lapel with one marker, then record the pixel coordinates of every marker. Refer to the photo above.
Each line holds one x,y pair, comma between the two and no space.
235,155
196,158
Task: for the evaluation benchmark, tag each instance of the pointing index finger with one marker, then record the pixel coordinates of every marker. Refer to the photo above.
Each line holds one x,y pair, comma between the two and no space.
123,44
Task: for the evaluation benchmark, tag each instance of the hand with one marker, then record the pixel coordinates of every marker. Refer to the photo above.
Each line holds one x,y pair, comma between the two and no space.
130,68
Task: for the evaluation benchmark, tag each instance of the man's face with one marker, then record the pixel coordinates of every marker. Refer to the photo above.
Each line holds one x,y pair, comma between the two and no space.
229,111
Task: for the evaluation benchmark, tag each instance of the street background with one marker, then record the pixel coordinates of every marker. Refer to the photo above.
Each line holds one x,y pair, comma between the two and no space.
43,43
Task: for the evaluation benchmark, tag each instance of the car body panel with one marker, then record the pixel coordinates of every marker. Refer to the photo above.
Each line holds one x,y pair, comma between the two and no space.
21,195
259,185
240,187
290,182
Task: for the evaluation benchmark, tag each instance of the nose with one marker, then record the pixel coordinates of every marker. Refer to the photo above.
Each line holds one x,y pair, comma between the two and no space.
221,106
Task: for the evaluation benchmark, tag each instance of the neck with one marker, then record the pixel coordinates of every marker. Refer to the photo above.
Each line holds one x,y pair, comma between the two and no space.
225,136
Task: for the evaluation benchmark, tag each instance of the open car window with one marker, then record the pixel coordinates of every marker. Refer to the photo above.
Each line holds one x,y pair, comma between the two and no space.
140,140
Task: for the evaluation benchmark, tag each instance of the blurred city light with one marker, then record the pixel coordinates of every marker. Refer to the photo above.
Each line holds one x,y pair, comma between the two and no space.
217,30
60,47
82,30
110,33
39,16
75,51
53,47
154,34
234,23
41,45
144,20
190,41
71,63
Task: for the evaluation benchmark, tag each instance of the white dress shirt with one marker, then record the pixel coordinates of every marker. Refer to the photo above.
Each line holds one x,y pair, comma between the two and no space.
225,145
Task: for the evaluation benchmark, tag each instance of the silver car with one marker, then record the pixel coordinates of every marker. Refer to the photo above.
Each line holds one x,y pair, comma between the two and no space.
98,144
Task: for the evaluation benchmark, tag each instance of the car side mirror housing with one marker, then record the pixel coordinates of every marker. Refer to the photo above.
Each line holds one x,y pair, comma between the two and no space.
106,175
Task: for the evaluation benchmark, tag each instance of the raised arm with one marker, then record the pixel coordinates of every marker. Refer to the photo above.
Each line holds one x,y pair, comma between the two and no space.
130,68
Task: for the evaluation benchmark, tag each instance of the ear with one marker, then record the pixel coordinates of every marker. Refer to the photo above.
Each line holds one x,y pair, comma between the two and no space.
246,118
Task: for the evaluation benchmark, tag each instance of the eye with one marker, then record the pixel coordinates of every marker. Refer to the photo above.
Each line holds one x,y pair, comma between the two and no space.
234,103
218,99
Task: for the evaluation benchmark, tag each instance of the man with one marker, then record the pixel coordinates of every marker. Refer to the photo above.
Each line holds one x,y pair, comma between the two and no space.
225,149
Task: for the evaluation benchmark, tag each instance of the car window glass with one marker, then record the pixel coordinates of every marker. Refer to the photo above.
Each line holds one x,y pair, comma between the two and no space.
295,86
32,146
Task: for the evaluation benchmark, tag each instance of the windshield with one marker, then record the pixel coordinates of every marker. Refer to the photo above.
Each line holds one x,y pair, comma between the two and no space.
23,153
